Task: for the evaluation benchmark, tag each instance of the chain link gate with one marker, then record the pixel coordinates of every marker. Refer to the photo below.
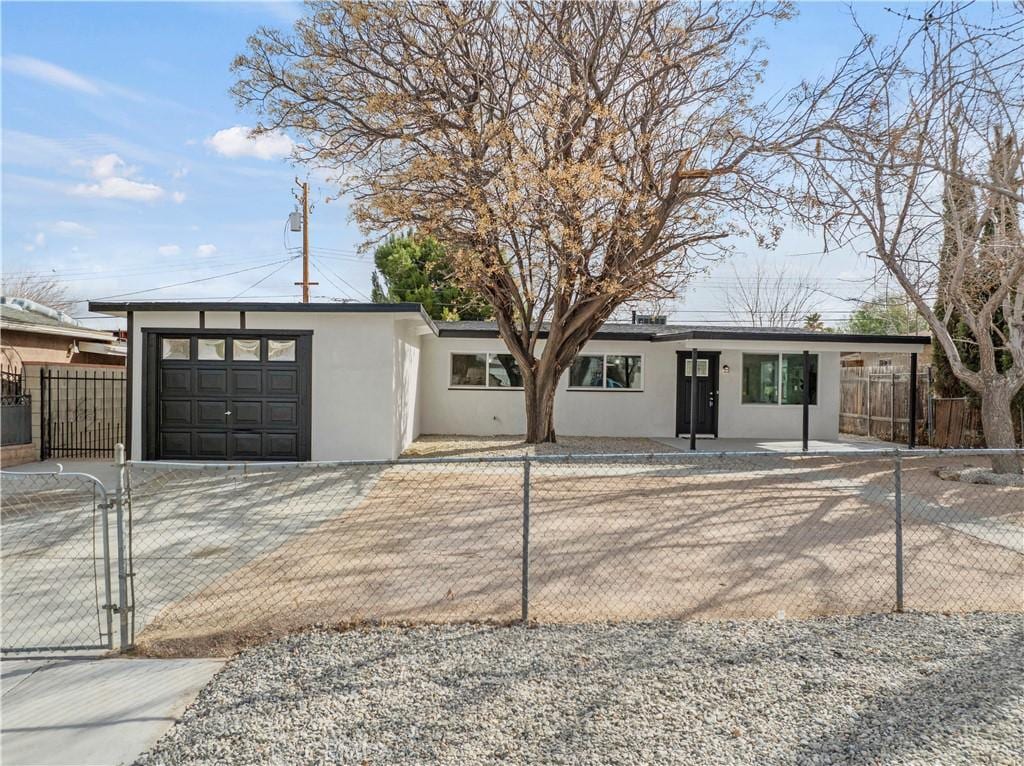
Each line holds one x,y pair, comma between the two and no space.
55,563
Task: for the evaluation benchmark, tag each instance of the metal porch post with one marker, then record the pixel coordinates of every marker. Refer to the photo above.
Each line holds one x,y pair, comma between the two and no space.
693,400
807,399
912,437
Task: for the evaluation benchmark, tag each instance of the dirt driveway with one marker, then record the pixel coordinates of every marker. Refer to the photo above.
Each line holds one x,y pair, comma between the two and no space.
684,536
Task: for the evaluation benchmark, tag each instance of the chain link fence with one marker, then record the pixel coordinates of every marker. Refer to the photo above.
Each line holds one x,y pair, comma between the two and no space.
55,562
217,556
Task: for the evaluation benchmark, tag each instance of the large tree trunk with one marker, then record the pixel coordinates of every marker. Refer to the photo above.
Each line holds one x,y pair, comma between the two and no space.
540,408
997,421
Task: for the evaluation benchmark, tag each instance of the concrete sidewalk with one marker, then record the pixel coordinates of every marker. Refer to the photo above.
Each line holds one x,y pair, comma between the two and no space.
88,711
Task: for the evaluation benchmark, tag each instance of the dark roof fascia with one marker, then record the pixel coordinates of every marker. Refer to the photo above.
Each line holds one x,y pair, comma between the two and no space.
807,337
446,332
654,337
109,307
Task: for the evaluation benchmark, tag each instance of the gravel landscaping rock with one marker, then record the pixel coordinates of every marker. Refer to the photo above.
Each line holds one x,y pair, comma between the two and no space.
978,475
892,689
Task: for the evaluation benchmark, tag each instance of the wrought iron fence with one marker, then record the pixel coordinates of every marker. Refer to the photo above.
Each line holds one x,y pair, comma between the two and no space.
15,403
82,412
216,556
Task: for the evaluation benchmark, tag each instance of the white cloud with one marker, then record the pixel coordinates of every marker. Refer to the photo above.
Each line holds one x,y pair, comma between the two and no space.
52,74
120,188
178,197
239,142
205,250
72,229
114,181
109,166
169,250
38,241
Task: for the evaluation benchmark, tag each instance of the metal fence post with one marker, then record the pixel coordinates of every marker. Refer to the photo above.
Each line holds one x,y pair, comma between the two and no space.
108,600
122,564
898,486
526,541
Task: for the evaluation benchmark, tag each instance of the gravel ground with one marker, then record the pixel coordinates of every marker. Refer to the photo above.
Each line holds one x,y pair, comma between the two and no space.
892,689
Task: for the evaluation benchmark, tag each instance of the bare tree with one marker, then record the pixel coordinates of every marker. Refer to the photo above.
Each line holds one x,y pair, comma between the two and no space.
41,288
573,155
924,163
769,297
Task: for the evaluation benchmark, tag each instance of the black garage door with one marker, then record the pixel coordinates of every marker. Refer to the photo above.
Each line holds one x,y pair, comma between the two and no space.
227,395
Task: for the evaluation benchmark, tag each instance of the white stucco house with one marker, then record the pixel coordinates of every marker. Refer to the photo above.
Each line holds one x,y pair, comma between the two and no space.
331,381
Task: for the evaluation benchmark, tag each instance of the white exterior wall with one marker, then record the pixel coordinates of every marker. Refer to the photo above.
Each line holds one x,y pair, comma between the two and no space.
356,395
379,380
405,385
650,412
777,421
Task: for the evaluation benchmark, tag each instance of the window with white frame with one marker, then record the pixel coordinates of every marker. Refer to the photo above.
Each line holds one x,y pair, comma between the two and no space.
778,379
485,371
615,372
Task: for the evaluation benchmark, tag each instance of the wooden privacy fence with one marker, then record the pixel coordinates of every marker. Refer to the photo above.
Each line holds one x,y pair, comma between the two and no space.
876,402
957,423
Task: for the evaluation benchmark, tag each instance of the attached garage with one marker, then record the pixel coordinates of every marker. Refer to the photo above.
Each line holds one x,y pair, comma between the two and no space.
227,395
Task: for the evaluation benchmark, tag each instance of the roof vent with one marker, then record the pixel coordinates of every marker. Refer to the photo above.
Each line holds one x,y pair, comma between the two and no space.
650,319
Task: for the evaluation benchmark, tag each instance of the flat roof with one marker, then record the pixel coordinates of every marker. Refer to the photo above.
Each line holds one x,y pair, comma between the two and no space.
656,333
121,308
623,331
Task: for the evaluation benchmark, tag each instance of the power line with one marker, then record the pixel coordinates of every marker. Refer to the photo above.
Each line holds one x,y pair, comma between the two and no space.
196,281
261,280
91,275
340,289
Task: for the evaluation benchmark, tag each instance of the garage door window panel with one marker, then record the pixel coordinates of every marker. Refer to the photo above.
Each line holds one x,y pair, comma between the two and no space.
280,350
246,350
211,349
175,349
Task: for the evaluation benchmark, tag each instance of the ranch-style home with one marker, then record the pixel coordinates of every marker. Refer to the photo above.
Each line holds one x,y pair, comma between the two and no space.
332,381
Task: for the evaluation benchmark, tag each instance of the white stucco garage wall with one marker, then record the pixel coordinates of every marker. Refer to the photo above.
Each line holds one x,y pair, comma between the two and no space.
354,376
405,384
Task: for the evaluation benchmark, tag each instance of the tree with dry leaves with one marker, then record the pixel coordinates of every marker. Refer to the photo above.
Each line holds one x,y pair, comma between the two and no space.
572,155
924,169
763,296
41,288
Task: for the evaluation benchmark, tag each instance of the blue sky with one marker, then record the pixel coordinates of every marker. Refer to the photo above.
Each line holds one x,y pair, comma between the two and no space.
123,168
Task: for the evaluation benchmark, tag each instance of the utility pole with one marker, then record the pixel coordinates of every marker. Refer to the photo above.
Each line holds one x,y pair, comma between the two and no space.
304,185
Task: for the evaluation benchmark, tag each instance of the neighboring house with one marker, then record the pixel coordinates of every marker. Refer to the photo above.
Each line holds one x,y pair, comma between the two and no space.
874,359
62,385
329,381
42,335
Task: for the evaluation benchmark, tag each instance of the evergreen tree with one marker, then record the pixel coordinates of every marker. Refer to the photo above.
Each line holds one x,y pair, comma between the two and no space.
417,270
886,315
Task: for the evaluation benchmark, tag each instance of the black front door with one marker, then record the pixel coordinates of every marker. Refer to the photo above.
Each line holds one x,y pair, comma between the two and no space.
707,393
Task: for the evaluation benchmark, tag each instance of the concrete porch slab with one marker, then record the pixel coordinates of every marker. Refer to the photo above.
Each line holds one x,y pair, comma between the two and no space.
93,711
776,445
